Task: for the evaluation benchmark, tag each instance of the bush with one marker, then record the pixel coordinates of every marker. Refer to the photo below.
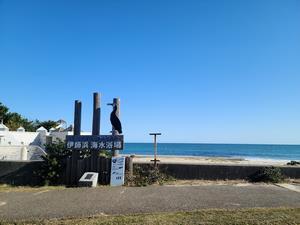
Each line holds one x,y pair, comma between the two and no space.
105,153
147,175
54,164
293,163
268,174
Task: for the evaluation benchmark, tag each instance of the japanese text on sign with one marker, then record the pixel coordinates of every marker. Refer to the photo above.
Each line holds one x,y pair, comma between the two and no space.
101,142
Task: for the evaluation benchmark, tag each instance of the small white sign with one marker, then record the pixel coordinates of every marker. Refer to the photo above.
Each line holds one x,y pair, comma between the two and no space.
117,171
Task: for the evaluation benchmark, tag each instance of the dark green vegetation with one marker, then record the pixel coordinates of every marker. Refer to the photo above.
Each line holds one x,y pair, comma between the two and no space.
143,176
14,120
54,164
256,216
268,174
293,163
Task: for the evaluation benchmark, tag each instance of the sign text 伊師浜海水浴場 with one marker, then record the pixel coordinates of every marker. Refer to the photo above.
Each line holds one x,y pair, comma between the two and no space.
96,142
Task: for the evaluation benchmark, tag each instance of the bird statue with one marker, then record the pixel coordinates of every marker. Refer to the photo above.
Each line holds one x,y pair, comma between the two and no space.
114,119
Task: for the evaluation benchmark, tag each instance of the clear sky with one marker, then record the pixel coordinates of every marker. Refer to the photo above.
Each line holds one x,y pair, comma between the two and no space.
221,71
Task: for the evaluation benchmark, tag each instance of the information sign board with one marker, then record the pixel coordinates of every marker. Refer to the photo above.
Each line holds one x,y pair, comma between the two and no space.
117,171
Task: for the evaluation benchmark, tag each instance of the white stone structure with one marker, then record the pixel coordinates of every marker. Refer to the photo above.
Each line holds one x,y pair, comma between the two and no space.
23,145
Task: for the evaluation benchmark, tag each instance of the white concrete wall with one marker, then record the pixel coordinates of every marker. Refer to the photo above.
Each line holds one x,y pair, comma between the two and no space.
21,152
14,138
12,144
10,152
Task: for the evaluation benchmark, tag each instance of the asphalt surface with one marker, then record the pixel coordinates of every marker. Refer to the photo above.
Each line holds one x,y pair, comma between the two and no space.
82,202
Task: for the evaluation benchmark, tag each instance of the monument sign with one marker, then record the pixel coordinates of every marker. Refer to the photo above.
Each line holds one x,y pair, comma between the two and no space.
97,142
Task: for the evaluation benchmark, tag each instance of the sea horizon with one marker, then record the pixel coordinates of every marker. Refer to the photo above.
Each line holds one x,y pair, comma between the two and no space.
212,143
244,151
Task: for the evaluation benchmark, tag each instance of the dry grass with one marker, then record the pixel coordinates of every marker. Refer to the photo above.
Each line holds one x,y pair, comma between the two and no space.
222,182
256,216
9,188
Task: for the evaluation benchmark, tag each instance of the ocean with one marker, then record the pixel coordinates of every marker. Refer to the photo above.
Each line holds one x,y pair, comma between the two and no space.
245,151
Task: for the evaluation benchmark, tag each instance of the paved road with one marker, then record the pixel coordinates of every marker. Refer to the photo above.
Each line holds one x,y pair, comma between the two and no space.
77,202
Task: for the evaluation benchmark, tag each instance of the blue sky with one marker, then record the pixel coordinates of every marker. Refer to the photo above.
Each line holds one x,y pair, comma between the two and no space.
198,71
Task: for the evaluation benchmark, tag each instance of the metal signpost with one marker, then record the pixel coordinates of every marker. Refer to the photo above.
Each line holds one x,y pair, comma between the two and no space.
155,160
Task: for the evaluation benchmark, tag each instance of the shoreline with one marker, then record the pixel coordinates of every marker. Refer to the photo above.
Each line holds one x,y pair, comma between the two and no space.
173,159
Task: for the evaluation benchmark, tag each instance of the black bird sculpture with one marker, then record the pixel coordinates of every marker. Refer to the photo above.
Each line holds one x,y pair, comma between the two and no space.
114,119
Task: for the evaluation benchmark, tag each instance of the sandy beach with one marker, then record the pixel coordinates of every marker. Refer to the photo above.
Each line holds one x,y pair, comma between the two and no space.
210,160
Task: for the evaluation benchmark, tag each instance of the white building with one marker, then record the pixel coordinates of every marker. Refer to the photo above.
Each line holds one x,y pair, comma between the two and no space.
23,145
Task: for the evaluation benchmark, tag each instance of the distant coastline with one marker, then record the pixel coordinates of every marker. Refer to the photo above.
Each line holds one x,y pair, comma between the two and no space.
196,160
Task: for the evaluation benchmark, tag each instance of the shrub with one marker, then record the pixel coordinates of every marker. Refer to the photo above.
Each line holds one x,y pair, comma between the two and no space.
293,163
54,164
268,174
105,153
147,175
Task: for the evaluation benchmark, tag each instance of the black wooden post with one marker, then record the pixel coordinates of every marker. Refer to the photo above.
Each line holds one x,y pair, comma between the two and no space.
96,129
77,117
129,165
77,131
96,114
116,101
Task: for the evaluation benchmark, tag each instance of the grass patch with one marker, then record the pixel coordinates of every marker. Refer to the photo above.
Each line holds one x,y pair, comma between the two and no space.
10,188
256,216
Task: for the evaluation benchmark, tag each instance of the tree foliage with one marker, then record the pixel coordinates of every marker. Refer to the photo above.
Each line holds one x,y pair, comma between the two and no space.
48,124
3,110
15,120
